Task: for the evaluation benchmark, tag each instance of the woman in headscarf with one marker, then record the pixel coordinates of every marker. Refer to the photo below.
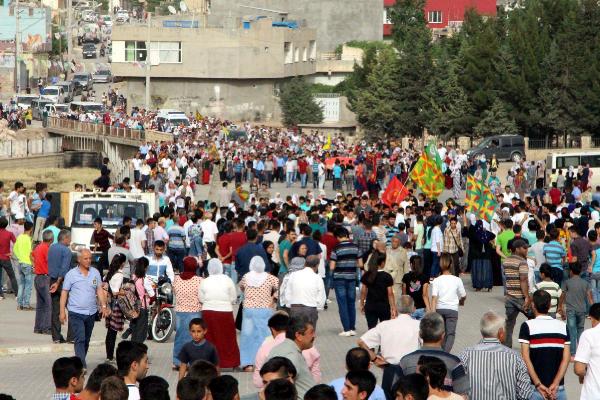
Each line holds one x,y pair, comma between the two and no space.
480,255
218,295
186,288
260,294
270,249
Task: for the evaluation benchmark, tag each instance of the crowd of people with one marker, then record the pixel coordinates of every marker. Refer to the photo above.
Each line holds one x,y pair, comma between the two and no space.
264,265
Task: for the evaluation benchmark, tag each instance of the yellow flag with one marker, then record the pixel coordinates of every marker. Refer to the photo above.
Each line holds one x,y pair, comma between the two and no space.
199,116
327,145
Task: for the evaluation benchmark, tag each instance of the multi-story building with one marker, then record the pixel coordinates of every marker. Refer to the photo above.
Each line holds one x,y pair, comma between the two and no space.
443,16
233,72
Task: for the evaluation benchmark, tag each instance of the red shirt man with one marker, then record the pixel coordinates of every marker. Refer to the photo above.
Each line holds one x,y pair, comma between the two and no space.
330,241
6,238
40,258
555,195
302,166
229,244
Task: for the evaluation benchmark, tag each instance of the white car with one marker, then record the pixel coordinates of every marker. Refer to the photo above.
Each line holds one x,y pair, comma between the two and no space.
107,20
122,16
55,94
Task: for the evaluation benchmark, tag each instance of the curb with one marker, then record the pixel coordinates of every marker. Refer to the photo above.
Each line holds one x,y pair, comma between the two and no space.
43,349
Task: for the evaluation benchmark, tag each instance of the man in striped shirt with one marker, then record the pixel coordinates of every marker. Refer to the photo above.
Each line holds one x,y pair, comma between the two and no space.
494,370
517,298
545,347
555,255
345,260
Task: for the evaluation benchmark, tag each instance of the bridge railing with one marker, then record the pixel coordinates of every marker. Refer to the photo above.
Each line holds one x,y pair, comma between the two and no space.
96,129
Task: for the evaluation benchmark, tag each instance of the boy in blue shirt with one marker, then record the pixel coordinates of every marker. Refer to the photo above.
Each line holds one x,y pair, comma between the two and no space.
42,215
198,349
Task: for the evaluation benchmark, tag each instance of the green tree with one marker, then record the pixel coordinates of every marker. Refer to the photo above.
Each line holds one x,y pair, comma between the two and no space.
375,104
496,121
449,112
357,80
298,105
58,45
412,39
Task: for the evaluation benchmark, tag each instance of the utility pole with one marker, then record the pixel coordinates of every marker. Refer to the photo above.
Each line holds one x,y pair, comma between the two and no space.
148,62
17,48
69,4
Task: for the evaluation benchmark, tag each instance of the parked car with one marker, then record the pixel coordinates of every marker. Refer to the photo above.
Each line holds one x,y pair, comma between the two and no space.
102,76
89,16
122,16
84,80
57,108
69,89
54,93
24,100
89,51
505,147
38,106
107,20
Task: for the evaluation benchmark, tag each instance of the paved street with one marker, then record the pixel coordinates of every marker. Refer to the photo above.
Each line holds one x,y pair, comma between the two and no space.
16,335
18,371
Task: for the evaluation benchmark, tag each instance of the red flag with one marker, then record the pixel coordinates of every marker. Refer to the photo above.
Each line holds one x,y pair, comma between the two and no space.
394,193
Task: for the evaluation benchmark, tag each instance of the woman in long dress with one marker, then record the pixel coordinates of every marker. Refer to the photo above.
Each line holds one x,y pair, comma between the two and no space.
218,295
480,253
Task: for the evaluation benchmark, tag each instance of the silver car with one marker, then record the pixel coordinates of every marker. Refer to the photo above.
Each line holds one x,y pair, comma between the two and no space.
102,76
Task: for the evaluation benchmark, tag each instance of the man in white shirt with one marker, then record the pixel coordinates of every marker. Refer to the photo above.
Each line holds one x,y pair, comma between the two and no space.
209,231
385,335
16,200
137,241
305,291
587,358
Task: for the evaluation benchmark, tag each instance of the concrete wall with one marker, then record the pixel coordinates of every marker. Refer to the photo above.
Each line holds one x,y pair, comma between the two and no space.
257,52
336,21
235,99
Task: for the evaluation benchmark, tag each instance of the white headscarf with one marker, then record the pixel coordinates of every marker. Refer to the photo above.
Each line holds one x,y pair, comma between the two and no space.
257,275
215,267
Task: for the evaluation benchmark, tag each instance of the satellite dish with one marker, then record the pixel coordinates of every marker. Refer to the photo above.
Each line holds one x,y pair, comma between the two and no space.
182,6
172,10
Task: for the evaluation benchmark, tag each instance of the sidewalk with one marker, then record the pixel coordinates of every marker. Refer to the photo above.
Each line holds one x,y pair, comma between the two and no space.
17,335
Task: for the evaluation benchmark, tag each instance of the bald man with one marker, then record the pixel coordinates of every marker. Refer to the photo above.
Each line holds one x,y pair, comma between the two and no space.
80,288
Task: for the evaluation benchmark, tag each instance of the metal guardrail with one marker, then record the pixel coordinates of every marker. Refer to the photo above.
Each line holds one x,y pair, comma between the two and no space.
97,129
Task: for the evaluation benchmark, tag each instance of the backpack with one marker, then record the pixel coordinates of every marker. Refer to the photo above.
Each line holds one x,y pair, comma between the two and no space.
129,303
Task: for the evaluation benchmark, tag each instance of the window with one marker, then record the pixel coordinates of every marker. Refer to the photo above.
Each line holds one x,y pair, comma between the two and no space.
168,52
297,54
567,161
288,53
386,16
594,161
135,51
435,17
312,50
304,54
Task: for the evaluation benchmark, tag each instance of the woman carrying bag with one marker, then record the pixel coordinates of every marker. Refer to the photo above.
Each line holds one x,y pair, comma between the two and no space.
115,321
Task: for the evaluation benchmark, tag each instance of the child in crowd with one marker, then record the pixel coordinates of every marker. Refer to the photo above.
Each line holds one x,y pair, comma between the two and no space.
549,286
198,349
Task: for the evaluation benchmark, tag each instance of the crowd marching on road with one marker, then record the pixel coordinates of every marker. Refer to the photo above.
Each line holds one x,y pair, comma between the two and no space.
265,264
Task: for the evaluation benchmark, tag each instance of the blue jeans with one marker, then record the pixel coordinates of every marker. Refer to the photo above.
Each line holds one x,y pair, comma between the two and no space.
255,330
435,264
25,284
196,246
289,177
345,293
595,286
229,270
418,314
560,394
81,326
182,332
575,323
303,180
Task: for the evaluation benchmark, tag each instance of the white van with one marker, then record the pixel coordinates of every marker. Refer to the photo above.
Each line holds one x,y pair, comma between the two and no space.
54,93
24,100
175,117
86,106
565,160
85,207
